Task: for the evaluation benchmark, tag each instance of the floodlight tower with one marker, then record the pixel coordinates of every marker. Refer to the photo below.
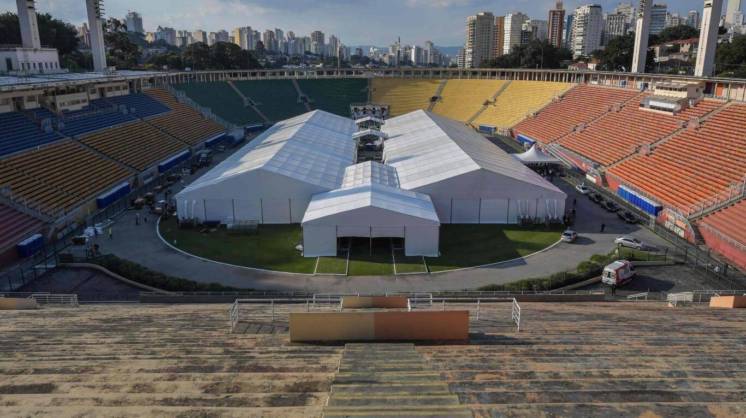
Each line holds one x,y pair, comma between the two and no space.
708,38
95,9
29,25
642,32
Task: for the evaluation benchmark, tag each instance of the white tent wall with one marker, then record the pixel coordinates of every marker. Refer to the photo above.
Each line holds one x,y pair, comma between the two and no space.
320,234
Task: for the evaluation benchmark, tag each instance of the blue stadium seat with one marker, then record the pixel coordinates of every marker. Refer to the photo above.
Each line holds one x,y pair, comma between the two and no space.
143,104
20,132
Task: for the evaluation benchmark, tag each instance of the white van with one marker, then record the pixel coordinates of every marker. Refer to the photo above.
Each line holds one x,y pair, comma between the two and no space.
618,273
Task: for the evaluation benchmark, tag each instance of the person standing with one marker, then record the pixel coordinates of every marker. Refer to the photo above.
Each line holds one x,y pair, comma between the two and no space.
603,227
111,233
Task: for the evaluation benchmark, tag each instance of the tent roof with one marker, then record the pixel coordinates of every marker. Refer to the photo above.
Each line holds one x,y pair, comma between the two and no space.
369,119
314,148
379,196
535,156
426,148
367,132
370,172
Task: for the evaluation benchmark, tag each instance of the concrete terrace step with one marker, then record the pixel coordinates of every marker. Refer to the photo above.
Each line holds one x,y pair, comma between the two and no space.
442,411
364,399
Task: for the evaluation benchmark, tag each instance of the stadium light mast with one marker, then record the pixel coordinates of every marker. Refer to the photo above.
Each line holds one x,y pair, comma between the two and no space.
708,38
29,25
95,9
642,33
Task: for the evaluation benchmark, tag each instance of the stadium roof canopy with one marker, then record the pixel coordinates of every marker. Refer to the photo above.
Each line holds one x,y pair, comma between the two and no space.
10,83
426,148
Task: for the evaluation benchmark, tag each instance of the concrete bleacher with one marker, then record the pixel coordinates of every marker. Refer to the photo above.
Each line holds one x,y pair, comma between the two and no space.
569,359
403,95
617,134
725,232
16,226
578,106
98,115
137,144
183,122
462,99
19,133
140,104
222,100
276,99
693,165
335,95
518,101
59,176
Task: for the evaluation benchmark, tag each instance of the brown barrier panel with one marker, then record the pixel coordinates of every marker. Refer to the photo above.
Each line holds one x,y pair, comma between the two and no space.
379,326
386,302
331,326
422,325
10,304
729,302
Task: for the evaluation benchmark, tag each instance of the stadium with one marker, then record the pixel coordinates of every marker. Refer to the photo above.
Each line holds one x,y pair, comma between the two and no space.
364,243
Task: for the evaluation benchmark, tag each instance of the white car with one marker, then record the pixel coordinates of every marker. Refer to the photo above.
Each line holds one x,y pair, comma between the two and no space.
582,188
569,236
630,242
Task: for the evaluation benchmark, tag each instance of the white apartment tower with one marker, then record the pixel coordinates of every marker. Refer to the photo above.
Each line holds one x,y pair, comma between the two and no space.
513,30
708,38
480,39
587,29
642,32
734,14
658,14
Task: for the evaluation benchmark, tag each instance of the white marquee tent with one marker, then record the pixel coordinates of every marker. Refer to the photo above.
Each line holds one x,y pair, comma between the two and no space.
370,205
536,156
468,179
272,179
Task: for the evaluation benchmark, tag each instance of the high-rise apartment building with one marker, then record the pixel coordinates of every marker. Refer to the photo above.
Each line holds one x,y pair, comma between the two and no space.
658,15
513,30
734,13
569,26
692,19
269,40
557,25
480,39
499,35
166,34
199,36
587,29
318,37
616,25
133,20
628,10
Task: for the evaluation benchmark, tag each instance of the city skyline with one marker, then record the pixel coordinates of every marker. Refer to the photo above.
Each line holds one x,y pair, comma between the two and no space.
305,16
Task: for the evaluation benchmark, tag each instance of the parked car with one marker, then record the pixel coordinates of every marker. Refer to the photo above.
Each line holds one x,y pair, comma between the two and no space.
610,206
582,188
627,216
595,197
630,242
569,236
618,273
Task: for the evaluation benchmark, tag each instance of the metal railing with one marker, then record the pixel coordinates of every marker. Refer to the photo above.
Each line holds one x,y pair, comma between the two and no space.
638,296
679,298
55,299
515,315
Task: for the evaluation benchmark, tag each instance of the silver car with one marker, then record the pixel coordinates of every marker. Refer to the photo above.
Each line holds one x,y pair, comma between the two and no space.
630,242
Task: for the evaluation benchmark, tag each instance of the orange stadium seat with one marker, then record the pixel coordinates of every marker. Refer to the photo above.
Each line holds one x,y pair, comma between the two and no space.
183,122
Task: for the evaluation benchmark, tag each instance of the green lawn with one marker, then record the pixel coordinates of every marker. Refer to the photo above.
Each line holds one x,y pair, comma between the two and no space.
474,245
332,265
271,248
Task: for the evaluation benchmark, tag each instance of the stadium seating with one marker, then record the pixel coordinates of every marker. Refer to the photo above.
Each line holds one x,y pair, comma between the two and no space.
276,99
725,232
694,165
519,99
98,115
336,95
137,144
183,122
222,100
580,105
19,133
462,99
16,226
144,105
617,134
403,95
59,176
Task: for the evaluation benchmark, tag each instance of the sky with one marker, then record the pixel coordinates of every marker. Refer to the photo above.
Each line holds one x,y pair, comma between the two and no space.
355,22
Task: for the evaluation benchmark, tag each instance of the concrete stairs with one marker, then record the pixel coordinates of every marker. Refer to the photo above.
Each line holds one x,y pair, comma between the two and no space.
492,100
438,94
306,103
389,380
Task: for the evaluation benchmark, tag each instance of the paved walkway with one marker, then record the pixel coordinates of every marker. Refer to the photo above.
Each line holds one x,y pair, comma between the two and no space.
142,245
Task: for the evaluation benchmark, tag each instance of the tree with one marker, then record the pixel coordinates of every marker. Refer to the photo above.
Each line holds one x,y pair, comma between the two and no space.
52,32
730,59
197,56
617,56
535,54
674,33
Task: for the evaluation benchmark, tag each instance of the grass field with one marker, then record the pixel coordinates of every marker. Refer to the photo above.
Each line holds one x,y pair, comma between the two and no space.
273,248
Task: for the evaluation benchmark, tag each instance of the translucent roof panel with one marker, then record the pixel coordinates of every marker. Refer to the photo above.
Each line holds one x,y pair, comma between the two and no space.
383,197
314,148
370,172
426,148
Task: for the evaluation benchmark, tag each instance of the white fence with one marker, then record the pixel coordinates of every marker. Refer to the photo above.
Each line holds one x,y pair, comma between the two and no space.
55,299
516,315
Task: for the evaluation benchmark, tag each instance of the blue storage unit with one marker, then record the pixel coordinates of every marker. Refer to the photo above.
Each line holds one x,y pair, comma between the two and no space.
113,195
174,161
30,245
645,204
487,129
523,139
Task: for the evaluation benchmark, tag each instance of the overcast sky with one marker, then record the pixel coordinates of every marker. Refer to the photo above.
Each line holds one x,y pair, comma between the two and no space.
356,22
